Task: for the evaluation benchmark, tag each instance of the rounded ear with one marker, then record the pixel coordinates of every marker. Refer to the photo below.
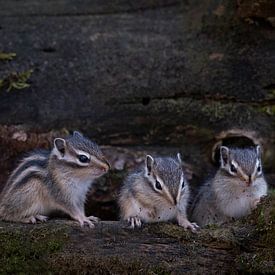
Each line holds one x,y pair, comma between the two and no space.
60,145
224,155
77,134
149,164
179,158
259,151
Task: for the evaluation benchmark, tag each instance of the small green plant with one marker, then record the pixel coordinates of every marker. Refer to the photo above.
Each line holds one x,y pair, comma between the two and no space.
16,81
7,56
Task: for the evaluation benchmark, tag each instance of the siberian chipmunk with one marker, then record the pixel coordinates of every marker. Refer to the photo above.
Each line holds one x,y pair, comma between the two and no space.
156,192
235,190
59,179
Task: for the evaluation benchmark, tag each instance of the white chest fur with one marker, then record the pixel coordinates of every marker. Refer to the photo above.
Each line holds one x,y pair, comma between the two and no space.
77,190
236,200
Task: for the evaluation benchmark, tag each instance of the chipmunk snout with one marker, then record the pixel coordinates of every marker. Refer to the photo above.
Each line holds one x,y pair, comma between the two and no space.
248,180
105,166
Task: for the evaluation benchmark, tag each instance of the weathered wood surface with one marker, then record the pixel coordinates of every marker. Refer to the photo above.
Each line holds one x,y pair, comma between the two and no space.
263,9
132,73
172,74
63,247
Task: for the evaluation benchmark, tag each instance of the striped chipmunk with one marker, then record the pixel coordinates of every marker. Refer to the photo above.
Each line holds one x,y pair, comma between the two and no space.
46,181
158,191
235,190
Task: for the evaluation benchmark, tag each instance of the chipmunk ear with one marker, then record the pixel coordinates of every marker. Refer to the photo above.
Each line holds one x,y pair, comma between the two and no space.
60,145
149,164
179,158
259,151
224,158
77,134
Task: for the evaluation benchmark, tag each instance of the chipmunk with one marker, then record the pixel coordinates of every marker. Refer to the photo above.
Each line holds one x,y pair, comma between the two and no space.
156,192
235,190
59,179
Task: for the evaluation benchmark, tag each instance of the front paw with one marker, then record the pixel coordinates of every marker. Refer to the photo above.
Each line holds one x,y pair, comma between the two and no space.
256,202
93,219
134,222
85,221
188,225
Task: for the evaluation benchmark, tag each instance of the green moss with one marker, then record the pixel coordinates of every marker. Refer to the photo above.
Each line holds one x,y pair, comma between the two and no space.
26,251
263,242
169,230
256,262
7,56
16,81
75,264
271,94
270,110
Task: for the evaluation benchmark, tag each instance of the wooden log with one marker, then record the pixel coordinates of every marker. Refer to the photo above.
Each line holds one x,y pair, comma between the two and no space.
153,73
63,247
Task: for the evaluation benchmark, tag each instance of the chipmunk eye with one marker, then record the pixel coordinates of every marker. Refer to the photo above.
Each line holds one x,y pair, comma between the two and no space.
183,184
83,158
259,169
233,168
158,185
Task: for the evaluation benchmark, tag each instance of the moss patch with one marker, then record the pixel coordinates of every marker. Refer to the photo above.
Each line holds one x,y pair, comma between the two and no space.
16,81
262,242
7,56
73,264
26,251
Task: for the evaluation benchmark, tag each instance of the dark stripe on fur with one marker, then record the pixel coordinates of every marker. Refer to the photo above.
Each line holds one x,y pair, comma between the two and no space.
28,177
31,163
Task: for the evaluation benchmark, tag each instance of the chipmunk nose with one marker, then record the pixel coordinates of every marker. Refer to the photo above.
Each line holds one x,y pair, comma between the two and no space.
108,167
249,181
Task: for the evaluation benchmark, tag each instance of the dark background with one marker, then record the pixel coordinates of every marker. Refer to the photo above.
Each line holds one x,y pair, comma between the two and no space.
141,76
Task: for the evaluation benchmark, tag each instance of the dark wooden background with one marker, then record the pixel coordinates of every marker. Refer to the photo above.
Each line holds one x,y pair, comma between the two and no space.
160,73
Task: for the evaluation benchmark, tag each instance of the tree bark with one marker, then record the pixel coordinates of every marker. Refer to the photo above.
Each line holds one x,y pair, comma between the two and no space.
63,247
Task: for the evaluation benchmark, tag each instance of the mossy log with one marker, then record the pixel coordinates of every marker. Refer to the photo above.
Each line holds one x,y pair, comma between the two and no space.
63,247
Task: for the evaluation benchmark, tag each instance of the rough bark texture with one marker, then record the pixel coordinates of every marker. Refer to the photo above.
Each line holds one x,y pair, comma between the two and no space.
132,73
176,74
63,247
144,77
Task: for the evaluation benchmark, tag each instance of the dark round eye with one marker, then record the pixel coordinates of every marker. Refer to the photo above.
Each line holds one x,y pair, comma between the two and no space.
259,169
158,185
83,158
233,168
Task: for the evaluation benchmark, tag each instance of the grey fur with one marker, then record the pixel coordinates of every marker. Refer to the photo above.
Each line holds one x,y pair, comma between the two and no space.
47,181
140,200
231,195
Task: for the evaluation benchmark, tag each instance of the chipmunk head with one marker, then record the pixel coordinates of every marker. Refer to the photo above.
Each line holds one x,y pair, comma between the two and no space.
243,163
166,177
82,154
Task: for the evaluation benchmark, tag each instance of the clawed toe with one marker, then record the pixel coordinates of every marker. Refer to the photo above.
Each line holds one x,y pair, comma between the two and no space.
194,227
41,218
93,219
187,225
87,222
31,219
134,222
